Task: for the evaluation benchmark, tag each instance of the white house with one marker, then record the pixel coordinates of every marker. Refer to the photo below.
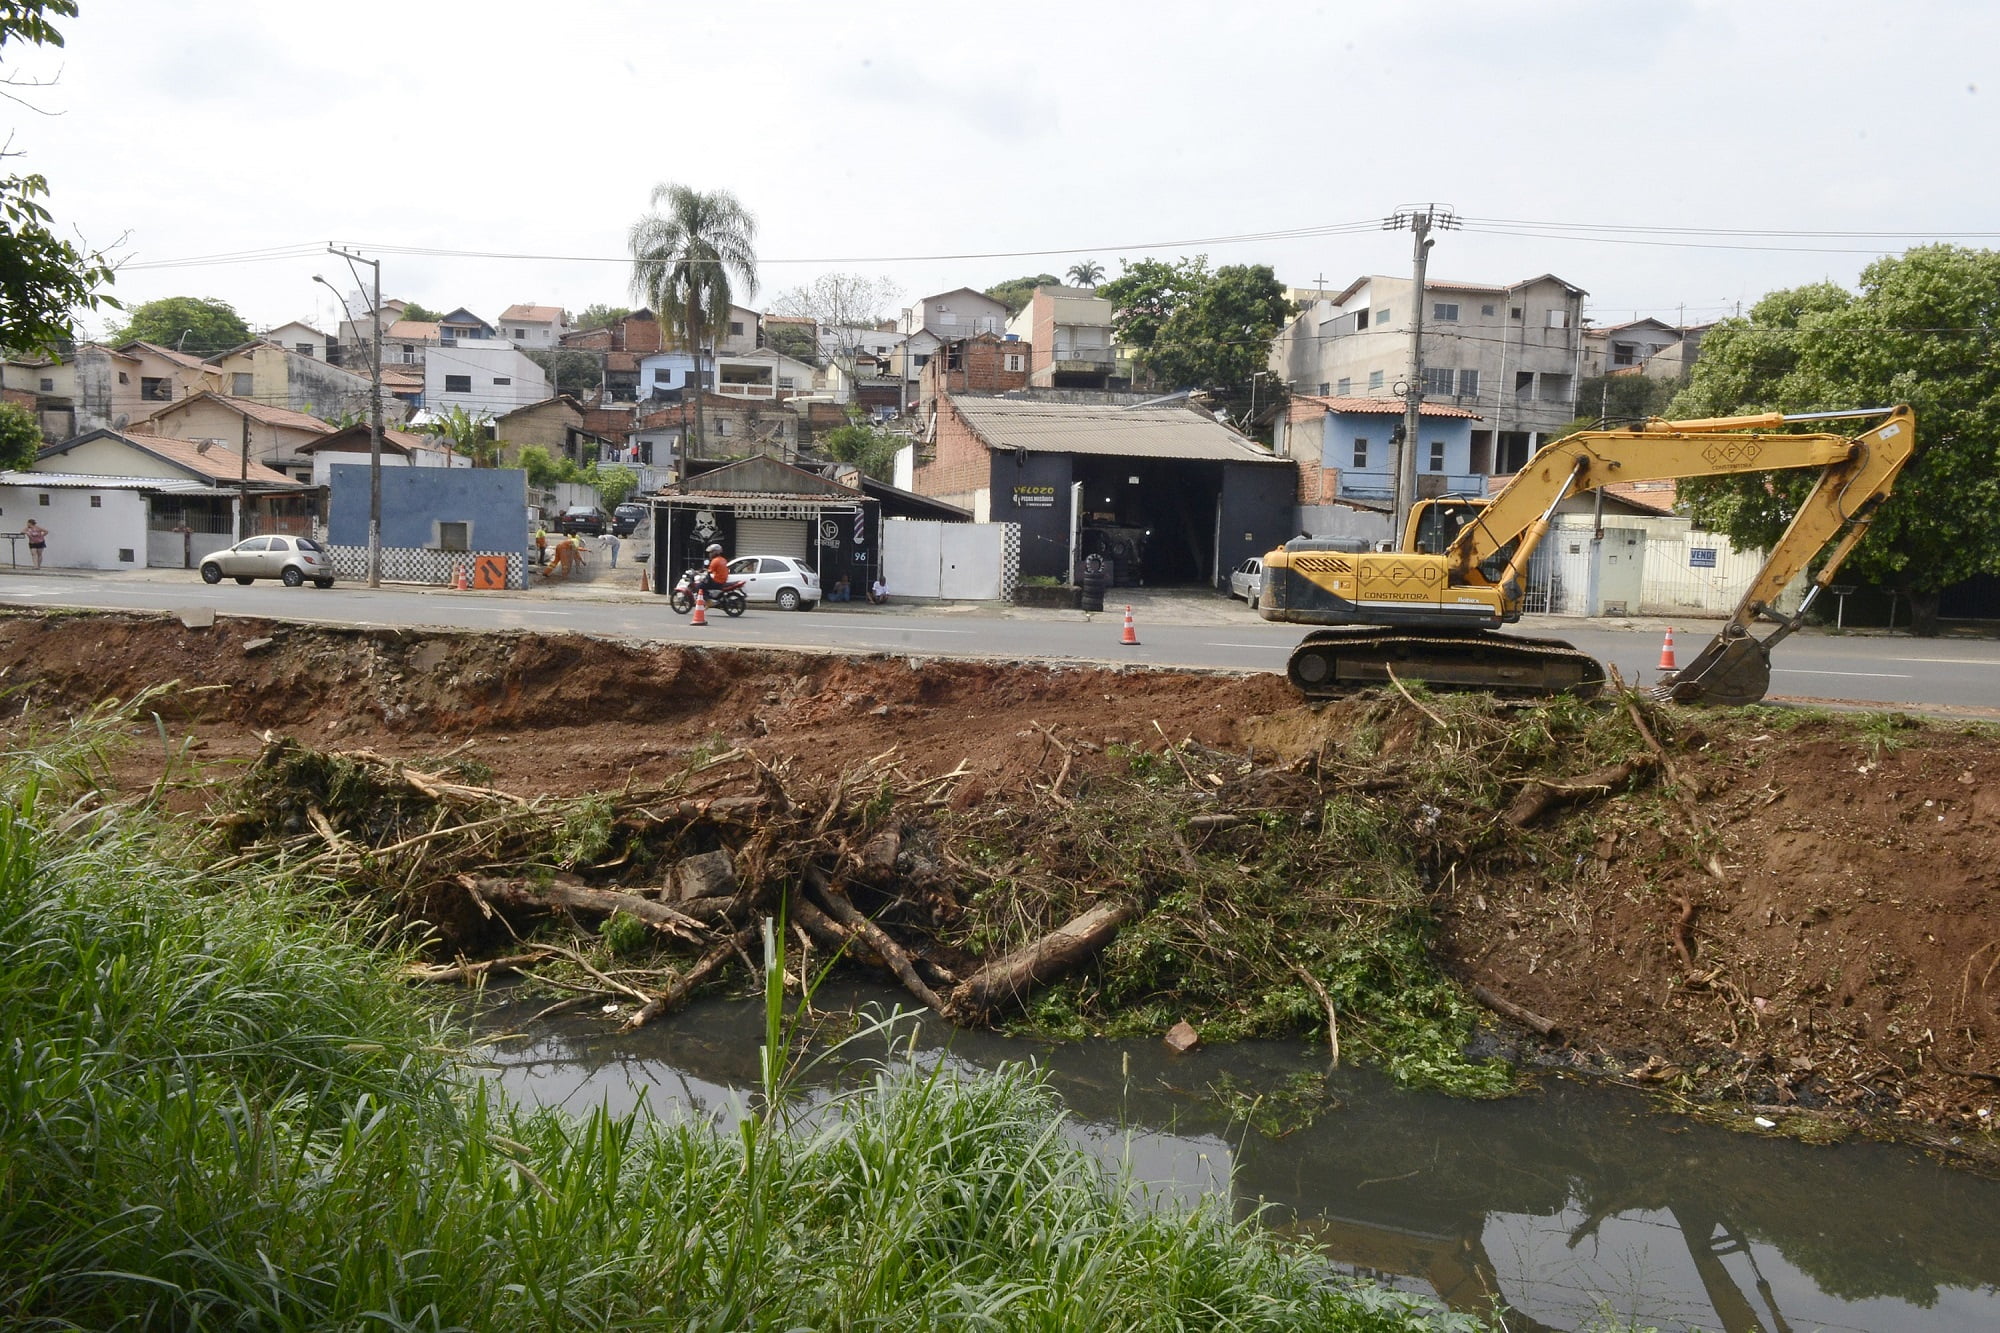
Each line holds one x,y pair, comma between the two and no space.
533,325
483,377
300,337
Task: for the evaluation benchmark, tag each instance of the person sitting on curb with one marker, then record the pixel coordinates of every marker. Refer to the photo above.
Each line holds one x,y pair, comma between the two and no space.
841,591
878,591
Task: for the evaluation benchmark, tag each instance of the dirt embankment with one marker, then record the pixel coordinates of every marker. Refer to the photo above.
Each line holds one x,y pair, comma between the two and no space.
1796,912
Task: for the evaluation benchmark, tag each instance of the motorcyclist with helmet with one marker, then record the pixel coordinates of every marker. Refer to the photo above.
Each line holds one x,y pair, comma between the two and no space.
716,577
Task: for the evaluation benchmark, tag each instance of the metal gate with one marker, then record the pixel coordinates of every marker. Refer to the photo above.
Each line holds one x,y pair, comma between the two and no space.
774,536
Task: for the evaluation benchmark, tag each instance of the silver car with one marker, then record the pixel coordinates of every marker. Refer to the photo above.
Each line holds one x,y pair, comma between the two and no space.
1247,581
296,560
792,584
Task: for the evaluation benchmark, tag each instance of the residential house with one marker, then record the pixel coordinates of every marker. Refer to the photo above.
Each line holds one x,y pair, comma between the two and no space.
1069,335
534,325
262,432
554,424
302,338
461,325
486,377
620,346
955,314
735,428
740,333
984,363
45,387
1510,353
763,372
1164,494
1345,452
400,448
127,499
352,348
1648,347
407,342
116,386
269,372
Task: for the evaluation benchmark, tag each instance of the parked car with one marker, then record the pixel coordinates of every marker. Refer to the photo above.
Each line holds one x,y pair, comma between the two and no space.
626,518
1247,581
587,520
296,560
792,584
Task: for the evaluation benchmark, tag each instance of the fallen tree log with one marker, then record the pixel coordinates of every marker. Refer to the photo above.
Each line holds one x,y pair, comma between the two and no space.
1007,981
573,896
892,954
1537,795
462,970
684,985
1506,1008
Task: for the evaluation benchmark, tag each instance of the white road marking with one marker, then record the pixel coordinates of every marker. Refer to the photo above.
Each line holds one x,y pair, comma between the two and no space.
932,631
1243,645
1945,661
1866,675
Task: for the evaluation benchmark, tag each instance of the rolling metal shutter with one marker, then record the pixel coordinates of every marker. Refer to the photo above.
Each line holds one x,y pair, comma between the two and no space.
773,536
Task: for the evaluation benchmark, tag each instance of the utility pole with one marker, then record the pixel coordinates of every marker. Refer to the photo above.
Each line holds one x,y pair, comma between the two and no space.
1420,222
374,418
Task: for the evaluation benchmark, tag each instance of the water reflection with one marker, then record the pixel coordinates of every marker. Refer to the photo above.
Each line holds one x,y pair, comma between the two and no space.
1569,1209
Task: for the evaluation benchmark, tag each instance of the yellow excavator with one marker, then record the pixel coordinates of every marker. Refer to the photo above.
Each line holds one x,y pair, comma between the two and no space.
1432,610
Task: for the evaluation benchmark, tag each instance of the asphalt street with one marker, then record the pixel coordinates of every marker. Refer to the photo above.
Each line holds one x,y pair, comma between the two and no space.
1954,675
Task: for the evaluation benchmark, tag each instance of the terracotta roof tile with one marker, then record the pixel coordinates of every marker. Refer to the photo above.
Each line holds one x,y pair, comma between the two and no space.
538,314
217,462
1382,406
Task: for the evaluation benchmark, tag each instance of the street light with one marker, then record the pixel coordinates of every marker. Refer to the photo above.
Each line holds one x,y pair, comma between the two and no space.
375,407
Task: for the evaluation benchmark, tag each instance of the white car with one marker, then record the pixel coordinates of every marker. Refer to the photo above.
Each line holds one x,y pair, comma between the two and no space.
792,584
295,560
1247,581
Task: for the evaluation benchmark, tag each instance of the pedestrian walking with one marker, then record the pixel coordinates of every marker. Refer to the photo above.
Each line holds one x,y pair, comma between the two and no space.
38,538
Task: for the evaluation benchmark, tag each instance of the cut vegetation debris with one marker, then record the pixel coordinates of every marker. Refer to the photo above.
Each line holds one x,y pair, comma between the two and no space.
1769,911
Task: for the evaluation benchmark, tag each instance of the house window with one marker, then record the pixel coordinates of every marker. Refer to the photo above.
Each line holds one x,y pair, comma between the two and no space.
454,536
1437,455
303,349
1437,381
42,500
1514,312
156,389
520,333
1361,320
1381,317
242,385
458,384
97,502
1524,385
1013,361
1468,384
1558,319
1445,312
1624,354
122,378
1487,310
953,357
1360,453
1343,387
923,359
1324,388
1374,379
1555,389
48,386
722,427
787,382
503,379
736,328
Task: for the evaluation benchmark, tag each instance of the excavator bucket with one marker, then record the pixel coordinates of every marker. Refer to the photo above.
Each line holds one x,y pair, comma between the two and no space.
1728,672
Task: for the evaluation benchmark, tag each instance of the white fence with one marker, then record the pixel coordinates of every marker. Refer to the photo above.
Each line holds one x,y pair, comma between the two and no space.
1685,573
961,561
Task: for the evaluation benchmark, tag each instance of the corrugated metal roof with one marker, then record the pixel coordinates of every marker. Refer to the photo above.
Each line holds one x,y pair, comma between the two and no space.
83,481
1085,428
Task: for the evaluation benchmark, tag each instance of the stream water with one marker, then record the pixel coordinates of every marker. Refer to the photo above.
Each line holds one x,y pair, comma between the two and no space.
1573,1207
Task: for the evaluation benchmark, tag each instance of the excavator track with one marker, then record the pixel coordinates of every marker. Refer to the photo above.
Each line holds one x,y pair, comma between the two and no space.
1328,663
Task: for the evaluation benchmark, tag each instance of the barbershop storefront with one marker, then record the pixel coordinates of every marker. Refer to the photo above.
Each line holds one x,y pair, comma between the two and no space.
763,507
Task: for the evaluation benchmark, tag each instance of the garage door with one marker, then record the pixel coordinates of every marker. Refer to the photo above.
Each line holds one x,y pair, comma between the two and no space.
773,536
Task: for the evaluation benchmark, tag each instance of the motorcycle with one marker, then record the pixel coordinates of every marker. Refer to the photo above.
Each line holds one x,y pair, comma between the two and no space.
728,599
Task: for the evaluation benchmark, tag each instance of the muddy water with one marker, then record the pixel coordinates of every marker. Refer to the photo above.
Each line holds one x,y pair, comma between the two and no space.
1571,1208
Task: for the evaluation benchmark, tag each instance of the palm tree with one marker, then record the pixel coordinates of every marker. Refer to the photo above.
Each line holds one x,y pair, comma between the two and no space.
684,254
1086,273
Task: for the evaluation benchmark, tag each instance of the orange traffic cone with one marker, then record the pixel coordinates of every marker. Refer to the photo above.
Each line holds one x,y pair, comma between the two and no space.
458,576
700,616
645,580
1131,636
1667,652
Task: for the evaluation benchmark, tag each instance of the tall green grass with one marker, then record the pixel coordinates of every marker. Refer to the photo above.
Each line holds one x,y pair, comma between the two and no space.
220,1110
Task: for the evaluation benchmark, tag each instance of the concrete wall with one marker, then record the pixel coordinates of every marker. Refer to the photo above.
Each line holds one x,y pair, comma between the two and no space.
484,364
108,535
494,501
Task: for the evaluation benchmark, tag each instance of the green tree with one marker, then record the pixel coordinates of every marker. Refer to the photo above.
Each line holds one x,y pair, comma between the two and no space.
1621,400
1193,329
470,434
188,323
615,483
44,279
576,373
873,451
795,341
1086,274
545,469
684,255
600,316
420,313
20,436
1920,331
1015,293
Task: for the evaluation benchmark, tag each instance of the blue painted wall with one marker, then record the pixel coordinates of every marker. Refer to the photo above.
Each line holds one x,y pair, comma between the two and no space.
1378,478
494,500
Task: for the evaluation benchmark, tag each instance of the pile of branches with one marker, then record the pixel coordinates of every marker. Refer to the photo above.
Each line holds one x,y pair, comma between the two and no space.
692,867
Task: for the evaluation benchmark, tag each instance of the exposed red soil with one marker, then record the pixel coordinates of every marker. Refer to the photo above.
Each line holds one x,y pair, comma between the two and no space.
1848,955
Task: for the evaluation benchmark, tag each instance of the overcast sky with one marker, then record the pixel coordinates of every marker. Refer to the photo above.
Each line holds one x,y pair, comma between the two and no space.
950,144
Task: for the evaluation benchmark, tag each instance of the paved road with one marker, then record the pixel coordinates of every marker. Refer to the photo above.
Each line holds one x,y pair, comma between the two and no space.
1955,675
